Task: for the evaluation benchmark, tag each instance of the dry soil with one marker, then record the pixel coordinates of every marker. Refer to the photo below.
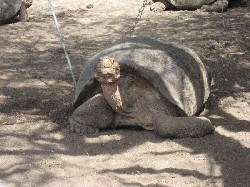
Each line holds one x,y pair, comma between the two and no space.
36,94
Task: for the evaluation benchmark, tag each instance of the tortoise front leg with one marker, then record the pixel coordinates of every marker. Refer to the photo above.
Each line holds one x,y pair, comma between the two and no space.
218,6
23,14
182,127
91,116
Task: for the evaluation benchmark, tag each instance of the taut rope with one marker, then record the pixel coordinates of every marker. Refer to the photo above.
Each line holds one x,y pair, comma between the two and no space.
62,41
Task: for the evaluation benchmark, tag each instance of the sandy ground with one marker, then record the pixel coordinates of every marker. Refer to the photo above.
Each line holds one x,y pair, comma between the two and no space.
36,94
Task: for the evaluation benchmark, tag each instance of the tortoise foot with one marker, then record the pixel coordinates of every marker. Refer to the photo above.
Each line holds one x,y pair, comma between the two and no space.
82,129
218,6
92,115
183,127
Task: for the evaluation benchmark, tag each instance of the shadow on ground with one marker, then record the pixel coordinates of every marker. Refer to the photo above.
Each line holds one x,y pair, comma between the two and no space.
34,90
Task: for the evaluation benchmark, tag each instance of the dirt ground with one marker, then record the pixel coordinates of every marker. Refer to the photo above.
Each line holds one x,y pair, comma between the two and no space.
36,94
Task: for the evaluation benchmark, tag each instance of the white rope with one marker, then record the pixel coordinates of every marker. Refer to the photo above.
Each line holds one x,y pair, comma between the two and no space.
62,41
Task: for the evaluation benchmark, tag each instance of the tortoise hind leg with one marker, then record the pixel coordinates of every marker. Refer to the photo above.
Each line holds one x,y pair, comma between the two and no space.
91,116
23,14
182,127
218,6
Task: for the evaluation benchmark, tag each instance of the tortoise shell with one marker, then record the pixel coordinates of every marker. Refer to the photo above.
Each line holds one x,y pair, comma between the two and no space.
174,70
9,9
190,4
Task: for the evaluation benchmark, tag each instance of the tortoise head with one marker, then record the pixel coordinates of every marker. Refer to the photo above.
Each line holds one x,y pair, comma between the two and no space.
107,70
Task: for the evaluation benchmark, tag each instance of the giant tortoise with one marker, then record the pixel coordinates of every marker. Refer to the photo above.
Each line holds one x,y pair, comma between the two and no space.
11,9
140,81
203,5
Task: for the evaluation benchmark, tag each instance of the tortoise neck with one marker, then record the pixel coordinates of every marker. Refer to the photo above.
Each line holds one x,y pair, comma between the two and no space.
112,94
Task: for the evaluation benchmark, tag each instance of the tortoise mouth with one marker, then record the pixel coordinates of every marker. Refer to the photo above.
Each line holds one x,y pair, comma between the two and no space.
107,70
107,75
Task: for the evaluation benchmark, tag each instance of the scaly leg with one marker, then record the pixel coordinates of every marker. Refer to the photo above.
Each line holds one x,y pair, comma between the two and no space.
91,116
182,127
218,6
23,14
